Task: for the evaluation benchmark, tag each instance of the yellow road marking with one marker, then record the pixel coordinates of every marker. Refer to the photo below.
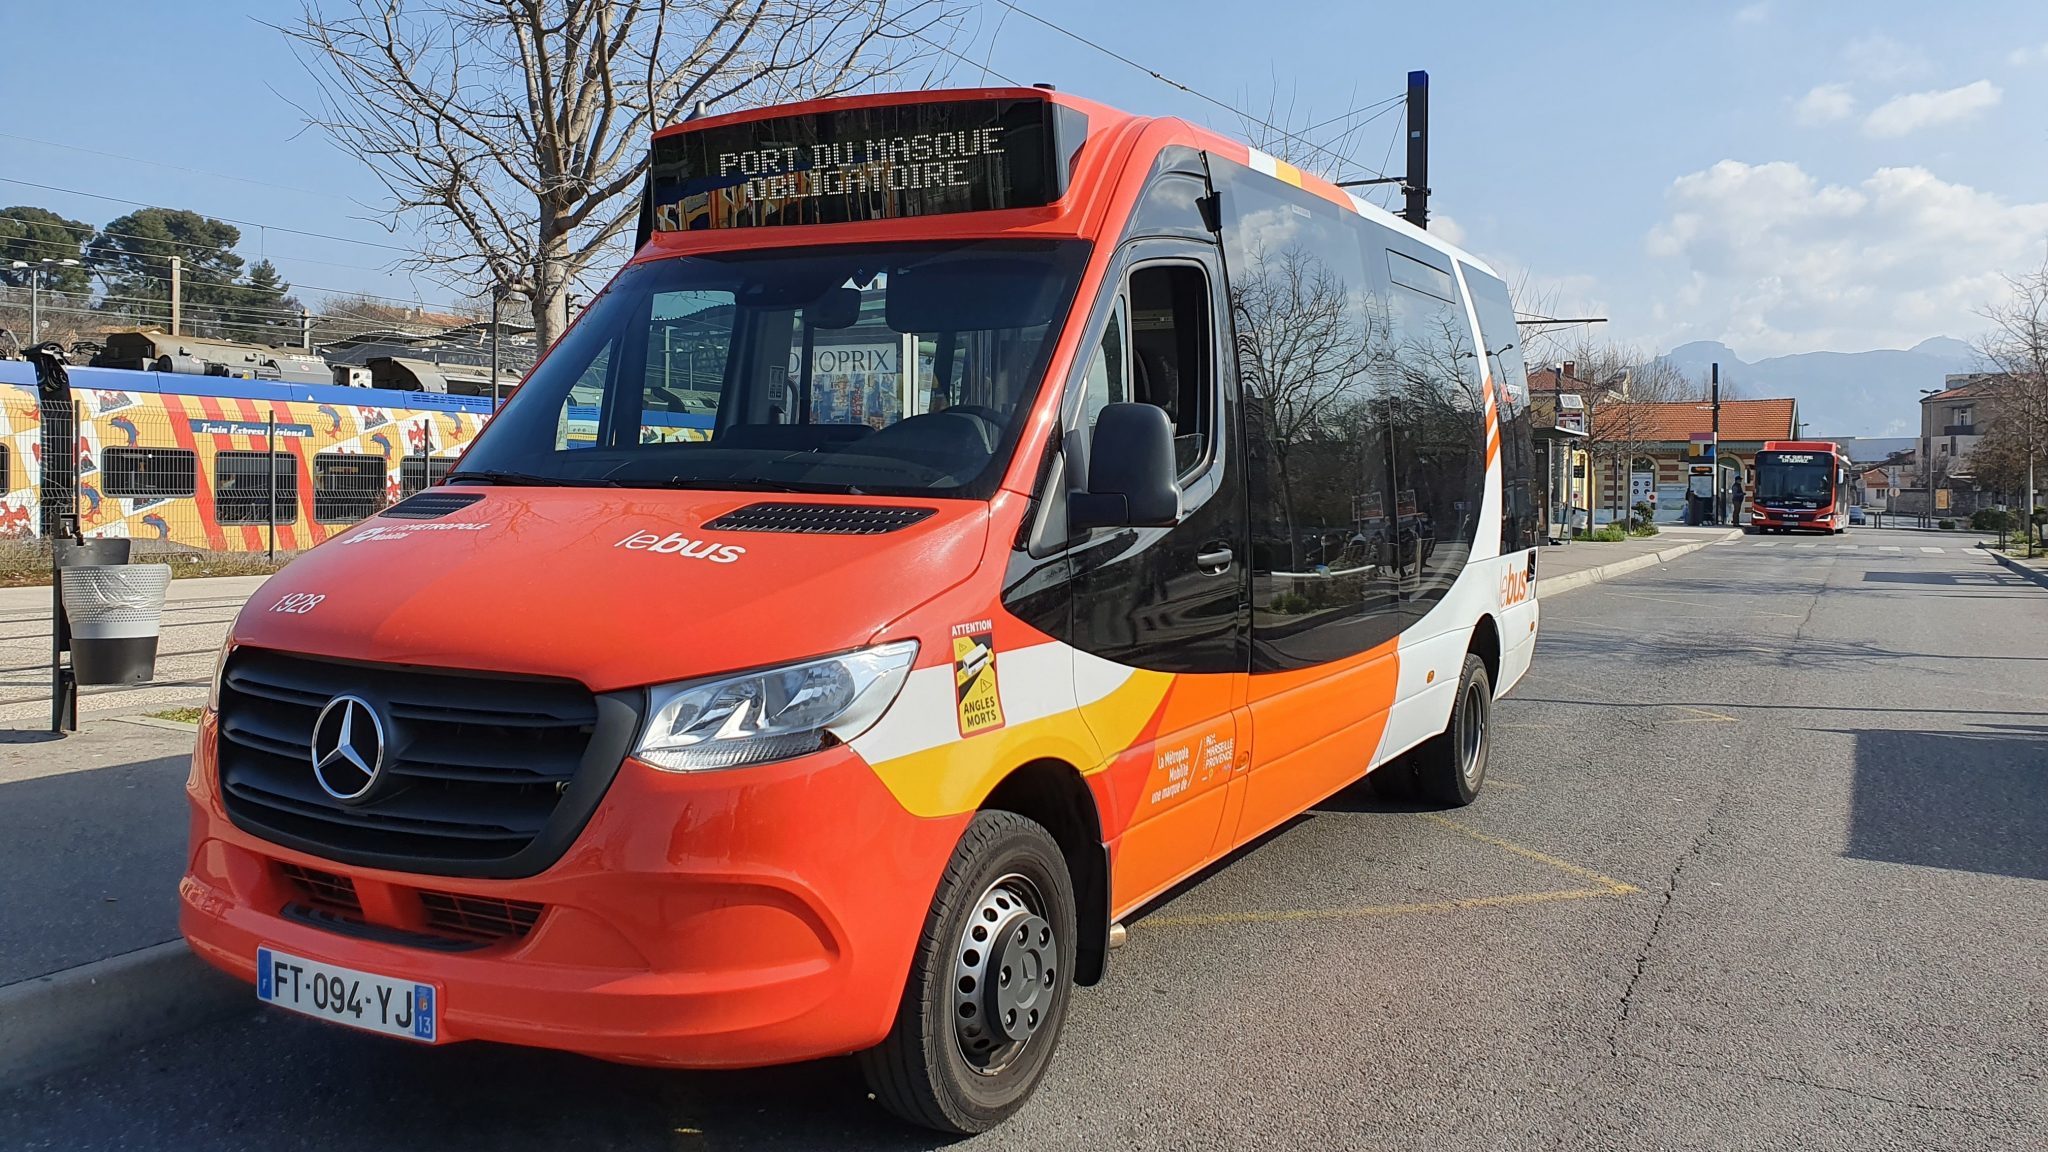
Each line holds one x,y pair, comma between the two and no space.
1658,599
1705,716
1612,886
1513,899
1605,887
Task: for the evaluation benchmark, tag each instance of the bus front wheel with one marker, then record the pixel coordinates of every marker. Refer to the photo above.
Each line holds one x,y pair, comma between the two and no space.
988,987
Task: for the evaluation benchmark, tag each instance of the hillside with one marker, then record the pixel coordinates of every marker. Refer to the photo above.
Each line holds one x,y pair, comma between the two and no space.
1874,393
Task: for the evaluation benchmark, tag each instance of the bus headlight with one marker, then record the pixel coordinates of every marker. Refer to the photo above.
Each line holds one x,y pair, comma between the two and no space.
220,664
772,714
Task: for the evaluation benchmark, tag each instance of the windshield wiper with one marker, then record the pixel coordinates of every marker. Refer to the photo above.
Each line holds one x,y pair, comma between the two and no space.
527,479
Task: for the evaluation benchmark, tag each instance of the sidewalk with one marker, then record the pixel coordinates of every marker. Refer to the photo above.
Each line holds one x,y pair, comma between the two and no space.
92,840
2035,570
91,827
1565,567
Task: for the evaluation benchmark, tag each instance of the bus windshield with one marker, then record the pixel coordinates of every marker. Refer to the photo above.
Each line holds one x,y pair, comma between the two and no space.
887,368
1795,476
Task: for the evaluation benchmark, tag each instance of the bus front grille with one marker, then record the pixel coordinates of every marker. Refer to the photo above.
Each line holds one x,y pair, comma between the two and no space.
475,774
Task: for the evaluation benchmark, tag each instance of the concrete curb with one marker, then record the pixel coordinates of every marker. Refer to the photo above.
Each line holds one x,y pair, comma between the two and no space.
2027,570
146,721
67,1018
1554,585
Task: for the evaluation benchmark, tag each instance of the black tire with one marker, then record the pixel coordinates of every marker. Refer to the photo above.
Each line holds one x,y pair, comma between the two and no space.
1450,768
923,1071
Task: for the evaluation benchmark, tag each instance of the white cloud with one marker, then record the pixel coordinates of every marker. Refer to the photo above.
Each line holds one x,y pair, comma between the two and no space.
1879,57
2021,57
1451,231
1825,104
1753,13
1914,111
1771,260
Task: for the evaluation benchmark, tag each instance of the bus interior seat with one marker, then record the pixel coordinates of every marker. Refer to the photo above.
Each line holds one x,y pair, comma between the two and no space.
953,442
1158,383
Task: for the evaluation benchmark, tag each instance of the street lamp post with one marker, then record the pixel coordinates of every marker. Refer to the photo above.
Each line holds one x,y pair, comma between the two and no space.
38,273
497,300
1927,463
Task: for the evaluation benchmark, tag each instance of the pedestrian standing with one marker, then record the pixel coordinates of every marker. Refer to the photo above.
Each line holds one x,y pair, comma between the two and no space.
1735,499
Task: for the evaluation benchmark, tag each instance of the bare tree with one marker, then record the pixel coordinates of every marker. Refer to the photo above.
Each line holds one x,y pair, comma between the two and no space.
1626,388
516,130
2016,350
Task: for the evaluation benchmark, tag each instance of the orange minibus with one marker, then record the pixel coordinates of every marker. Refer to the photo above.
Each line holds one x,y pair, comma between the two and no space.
967,516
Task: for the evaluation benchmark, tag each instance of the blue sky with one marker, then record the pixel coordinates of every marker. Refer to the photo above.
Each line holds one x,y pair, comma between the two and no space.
1782,176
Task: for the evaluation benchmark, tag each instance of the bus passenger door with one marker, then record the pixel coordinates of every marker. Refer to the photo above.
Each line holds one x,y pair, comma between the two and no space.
1162,611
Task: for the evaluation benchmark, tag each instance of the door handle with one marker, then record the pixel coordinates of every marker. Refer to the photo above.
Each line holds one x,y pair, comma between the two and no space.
1212,563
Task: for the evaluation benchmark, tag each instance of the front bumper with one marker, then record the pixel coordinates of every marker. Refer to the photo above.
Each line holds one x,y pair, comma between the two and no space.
724,919
1779,518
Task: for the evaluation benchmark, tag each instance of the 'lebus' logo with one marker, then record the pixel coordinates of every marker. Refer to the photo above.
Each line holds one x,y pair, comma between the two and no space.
348,748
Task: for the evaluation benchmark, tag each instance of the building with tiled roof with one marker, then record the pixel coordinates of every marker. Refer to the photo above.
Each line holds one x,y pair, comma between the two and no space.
1660,437
1741,420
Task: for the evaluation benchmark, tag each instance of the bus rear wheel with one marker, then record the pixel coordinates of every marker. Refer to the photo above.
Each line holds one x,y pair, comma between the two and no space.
1451,767
987,995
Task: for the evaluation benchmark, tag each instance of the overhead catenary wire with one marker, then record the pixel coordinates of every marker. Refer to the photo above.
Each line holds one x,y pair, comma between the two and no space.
175,167
980,65
223,219
60,246
1175,84
1400,129
347,293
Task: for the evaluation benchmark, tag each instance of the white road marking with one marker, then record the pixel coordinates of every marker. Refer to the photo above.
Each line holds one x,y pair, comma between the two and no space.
1806,545
1887,547
1925,549
1850,547
1766,544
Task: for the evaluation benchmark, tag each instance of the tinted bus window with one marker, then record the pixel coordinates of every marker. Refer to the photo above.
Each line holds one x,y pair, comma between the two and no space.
1313,341
1438,416
1519,497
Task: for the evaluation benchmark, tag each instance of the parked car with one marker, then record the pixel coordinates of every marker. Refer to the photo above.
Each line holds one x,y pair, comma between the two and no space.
1856,514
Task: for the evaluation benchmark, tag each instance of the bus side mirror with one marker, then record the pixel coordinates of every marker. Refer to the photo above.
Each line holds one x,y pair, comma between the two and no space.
1132,478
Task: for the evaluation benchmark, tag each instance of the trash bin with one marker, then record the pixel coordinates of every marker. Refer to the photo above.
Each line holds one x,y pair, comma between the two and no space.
115,613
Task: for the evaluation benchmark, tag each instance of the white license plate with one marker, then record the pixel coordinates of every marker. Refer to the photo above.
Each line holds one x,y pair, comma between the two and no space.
345,996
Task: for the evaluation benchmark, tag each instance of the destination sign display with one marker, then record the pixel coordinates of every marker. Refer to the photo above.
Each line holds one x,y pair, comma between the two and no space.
880,163
1791,458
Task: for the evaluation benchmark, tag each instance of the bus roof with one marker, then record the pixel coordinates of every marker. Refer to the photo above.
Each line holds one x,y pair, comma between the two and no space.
1111,142
1802,446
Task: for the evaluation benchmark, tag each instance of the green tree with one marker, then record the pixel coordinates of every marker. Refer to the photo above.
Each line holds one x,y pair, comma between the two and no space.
265,311
32,235
134,254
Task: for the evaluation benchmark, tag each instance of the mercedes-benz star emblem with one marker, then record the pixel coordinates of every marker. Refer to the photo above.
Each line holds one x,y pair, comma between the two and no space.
348,748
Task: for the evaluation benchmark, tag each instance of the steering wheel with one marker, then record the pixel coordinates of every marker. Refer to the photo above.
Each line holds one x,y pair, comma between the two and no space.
986,415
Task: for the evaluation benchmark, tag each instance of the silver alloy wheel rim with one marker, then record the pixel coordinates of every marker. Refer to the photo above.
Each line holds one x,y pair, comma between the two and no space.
1474,732
1005,975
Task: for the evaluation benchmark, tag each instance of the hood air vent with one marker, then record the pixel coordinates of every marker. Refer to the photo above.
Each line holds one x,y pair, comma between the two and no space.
431,505
835,519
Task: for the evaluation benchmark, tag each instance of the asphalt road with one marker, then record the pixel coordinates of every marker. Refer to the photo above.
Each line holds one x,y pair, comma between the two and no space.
1763,864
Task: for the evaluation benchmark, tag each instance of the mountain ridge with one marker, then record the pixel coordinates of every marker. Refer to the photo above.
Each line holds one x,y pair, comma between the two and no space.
1870,393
